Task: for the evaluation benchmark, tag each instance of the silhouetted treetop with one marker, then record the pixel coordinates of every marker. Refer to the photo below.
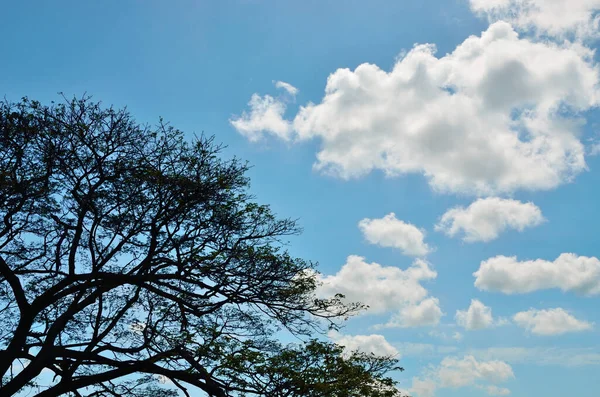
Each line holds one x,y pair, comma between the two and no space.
134,262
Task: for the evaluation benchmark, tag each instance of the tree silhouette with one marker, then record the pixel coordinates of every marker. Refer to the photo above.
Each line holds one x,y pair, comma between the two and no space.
135,263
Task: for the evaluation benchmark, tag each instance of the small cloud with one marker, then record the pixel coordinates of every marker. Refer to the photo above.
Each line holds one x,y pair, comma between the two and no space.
394,233
594,149
426,313
382,288
265,116
568,272
386,289
485,219
287,87
550,322
477,316
455,373
376,344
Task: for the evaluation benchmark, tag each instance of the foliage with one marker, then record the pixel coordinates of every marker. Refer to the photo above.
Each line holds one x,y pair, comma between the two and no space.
135,263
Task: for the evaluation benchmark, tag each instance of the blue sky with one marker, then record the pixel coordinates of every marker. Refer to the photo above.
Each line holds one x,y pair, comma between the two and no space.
492,138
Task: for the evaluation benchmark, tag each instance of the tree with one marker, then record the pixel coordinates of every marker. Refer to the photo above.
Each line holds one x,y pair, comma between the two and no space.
130,258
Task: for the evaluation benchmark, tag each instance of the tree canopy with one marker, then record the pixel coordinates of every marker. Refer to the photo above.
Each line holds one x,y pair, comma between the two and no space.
134,262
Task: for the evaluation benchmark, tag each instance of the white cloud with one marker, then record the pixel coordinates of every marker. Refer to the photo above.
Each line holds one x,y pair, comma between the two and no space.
383,288
425,313
552,17
470,121
494,390
456,373
386,289
477,316
594,149
287,87
568,272
376,344
550,322
391,232
485,219
423,387
564,357
265,116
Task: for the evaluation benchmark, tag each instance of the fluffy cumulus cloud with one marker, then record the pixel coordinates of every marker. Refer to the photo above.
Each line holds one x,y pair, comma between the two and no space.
425,313
477,316
550,17
454,372
391,232
266,115
485,219
568,272
376,344
385,289
470,121
550,322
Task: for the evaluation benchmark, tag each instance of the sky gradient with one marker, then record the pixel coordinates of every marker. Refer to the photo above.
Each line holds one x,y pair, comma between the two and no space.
441,156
